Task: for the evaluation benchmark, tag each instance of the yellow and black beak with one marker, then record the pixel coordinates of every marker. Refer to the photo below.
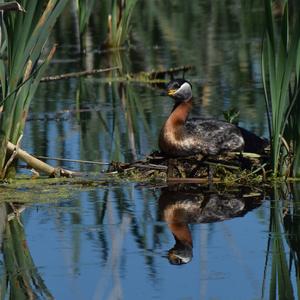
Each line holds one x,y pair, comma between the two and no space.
171,92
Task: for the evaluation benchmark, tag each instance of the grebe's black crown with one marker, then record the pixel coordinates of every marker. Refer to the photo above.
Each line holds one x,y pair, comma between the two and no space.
179,89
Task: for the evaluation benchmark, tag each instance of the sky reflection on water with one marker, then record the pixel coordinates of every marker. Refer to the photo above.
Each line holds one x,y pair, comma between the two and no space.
81,253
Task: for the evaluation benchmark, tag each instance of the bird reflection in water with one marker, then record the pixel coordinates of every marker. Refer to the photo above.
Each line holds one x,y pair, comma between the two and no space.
182,205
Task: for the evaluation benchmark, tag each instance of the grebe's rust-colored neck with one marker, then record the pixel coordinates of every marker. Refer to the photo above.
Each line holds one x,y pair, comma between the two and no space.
182,233
180,113
176,220
172,131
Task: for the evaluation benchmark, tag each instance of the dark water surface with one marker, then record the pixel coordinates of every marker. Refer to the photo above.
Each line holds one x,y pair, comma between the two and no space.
112,241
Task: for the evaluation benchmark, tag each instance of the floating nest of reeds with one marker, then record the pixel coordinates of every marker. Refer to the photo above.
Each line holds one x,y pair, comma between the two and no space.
227,168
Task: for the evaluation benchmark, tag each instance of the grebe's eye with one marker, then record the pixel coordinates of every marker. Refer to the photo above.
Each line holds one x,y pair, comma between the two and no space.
176,85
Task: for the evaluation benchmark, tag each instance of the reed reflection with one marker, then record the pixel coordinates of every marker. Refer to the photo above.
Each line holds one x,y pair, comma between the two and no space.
19,276
282,264
182,205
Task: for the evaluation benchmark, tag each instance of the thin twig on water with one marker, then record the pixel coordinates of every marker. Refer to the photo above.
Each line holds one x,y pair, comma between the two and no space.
77,74
72,160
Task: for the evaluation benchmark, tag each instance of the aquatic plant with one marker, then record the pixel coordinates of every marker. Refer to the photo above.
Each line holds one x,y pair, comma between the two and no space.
84,11
84,8
281,80
119,22
24,58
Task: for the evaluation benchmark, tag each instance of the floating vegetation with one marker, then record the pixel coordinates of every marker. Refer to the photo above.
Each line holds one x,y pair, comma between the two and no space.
24,189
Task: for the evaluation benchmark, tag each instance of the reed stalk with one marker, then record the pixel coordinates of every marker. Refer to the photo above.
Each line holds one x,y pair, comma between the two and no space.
24,58
119,22
84,11
280,73
84,8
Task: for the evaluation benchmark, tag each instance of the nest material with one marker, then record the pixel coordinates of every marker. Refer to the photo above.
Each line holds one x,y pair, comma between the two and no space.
229,167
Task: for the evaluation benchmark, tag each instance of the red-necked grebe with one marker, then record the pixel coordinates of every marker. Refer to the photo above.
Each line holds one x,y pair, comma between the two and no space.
182,137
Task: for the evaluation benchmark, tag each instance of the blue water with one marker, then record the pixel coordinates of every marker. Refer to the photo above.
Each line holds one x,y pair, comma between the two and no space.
81,256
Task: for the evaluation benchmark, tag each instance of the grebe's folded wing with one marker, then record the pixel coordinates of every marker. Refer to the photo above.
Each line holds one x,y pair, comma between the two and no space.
217,135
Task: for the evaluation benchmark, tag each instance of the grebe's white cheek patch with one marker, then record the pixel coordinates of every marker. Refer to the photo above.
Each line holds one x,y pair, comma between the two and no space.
185,89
